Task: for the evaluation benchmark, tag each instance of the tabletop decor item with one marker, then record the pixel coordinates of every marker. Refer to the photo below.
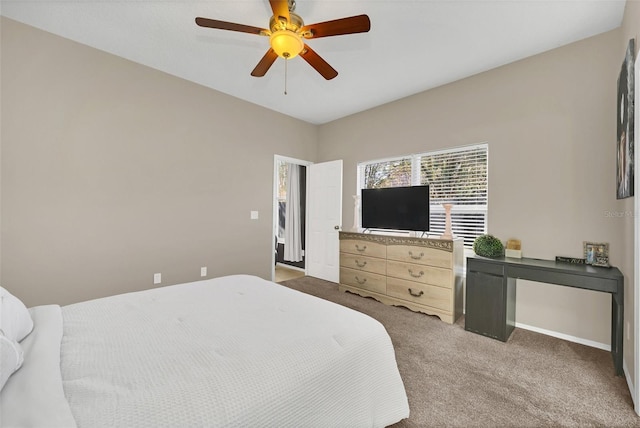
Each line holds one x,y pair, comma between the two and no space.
488,246
572,260
596,253
514,249
448,234
356,212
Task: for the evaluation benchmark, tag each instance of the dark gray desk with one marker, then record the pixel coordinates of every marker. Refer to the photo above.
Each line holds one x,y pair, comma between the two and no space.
491,293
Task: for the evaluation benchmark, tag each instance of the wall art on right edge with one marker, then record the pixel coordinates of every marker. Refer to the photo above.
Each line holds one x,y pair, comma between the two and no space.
624,153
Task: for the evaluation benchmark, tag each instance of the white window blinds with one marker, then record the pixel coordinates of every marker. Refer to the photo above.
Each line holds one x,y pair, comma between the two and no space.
456,176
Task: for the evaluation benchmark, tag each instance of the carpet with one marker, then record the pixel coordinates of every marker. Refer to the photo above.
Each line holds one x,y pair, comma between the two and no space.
456,378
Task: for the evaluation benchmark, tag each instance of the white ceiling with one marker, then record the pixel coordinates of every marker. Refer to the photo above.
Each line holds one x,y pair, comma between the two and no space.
412,46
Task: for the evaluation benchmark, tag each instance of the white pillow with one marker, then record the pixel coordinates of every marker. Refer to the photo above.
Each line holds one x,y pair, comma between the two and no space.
11,358
15,321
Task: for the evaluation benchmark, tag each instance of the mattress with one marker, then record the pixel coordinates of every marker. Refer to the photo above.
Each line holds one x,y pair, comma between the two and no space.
236,351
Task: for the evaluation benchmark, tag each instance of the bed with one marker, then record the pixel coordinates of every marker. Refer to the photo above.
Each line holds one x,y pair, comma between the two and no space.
235,351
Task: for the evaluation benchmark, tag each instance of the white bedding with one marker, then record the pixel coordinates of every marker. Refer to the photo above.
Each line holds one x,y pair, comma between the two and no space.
33,396
236,351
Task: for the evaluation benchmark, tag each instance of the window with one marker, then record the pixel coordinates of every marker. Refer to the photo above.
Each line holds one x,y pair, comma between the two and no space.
456,176
282,198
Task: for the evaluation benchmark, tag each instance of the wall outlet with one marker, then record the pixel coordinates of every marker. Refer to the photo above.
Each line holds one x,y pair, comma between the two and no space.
203,271
254,215
157,278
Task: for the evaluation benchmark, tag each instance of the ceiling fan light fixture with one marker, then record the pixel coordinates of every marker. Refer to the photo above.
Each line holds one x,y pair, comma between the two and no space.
287,33
286,43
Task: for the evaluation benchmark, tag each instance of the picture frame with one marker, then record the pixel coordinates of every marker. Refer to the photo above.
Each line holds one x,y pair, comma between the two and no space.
596,253
625,126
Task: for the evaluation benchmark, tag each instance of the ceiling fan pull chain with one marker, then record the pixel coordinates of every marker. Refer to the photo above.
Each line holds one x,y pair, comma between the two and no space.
285,75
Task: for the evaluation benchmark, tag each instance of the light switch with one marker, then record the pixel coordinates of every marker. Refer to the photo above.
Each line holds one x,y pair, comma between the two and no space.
254,215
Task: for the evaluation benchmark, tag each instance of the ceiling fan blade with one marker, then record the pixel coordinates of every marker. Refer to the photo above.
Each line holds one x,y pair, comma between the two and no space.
351,25
280,8
223,25
265,63
318,63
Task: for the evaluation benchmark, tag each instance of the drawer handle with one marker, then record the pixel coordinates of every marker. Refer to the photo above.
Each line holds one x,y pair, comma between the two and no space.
363,264
361,249
414,275
361,282
416,294
416,257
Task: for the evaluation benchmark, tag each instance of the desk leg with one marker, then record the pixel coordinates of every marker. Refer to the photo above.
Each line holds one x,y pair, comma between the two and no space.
510,306
617,329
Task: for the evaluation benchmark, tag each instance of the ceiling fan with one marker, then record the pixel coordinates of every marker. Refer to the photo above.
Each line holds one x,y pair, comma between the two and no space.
286,33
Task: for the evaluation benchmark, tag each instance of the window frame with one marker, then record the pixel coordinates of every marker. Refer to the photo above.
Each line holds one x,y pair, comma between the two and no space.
437,209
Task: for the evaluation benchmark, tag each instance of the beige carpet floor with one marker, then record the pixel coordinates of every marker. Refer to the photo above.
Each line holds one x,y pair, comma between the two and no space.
456,378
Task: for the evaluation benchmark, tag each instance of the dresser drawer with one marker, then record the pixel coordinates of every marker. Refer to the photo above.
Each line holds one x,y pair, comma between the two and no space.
363,248
363,263
365,280
420,273
424,294
420,255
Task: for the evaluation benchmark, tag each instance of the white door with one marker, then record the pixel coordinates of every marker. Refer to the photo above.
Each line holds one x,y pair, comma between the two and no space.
325,218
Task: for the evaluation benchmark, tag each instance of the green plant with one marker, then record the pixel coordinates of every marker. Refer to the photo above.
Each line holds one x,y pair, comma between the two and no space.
488,246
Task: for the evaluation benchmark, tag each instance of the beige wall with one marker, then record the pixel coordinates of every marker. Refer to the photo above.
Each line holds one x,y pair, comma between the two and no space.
112,171
550,124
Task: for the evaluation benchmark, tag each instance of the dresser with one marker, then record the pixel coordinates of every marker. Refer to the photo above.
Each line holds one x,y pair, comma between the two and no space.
422,274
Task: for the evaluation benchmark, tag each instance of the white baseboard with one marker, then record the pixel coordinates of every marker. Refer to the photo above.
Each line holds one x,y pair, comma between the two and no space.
566,337
632,390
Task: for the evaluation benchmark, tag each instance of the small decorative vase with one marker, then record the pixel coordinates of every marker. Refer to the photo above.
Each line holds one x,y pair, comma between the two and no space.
356,207
447,222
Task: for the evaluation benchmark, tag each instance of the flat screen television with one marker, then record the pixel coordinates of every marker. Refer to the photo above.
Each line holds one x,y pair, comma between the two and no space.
397,208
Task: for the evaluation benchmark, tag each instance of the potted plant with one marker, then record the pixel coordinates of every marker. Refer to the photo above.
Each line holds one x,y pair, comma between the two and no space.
488,246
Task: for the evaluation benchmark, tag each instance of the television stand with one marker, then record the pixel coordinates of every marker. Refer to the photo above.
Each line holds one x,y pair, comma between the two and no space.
421,274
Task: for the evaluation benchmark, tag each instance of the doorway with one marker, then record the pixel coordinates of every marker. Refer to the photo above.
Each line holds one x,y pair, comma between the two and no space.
290,218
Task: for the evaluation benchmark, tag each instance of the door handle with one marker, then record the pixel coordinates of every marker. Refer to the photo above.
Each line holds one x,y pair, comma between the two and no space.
336,227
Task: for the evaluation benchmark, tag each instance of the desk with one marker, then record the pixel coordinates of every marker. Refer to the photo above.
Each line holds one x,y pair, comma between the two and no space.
491,293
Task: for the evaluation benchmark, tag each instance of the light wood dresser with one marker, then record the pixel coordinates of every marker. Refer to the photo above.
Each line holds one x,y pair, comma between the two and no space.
422,274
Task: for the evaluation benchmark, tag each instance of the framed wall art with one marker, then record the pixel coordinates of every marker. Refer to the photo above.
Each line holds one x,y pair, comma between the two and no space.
625,137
